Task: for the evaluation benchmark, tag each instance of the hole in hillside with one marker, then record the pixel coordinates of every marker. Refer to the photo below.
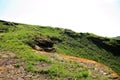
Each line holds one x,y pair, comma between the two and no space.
42,44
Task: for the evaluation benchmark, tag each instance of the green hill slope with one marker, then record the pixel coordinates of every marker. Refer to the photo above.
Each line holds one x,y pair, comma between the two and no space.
118,37
22,39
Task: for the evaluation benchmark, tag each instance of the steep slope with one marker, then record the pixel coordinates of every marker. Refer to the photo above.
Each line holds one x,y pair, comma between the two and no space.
21,39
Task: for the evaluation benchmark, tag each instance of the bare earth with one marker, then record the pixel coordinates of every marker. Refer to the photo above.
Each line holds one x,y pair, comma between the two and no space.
10,71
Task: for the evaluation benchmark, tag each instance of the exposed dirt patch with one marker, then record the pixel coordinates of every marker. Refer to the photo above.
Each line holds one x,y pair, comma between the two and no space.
93,66
13,69
97,67
1,69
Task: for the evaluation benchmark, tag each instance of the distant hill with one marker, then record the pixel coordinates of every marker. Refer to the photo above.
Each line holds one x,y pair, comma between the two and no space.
22,40
118,37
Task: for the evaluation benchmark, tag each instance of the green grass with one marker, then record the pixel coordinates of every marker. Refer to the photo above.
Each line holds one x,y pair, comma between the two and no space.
14,41
14,38
67,70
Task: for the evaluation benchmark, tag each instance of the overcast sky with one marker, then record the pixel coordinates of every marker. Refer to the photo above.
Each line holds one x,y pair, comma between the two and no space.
101,17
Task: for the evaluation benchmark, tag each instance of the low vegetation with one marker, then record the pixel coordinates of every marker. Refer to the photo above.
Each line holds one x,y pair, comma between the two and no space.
18,38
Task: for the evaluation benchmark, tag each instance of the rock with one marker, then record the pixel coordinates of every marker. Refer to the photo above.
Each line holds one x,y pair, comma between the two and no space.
49,49
42,44
38,48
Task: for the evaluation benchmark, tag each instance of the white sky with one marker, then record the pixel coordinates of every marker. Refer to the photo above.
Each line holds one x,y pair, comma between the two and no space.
101,17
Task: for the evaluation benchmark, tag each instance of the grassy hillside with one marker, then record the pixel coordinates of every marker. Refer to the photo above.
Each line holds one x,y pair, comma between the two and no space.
22,39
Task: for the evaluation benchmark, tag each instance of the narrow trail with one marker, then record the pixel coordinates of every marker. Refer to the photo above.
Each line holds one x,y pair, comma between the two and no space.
90,62
98,66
